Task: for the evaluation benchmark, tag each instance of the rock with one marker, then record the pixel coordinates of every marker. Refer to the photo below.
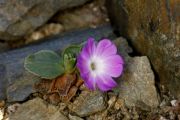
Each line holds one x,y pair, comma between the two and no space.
12,70
2,103
3,47
111,101
137,85
3,82
1,114
99,116
22,88
173,102
37,109
92,14
89,15
123,48
45,31
89,103
119,104
20,17
71,117
152,27
12,108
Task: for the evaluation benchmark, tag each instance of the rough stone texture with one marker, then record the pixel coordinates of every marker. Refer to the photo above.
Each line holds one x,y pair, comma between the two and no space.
12,70
3,47
123,48
74,117
19,17
20,89
153,28
89,103
37,109
137,85
1,113
89,15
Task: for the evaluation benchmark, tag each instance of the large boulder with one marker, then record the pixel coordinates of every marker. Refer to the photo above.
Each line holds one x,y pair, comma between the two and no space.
136,86
19,17
153,29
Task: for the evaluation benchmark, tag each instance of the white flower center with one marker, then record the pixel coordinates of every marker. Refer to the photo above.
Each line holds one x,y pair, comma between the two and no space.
96,66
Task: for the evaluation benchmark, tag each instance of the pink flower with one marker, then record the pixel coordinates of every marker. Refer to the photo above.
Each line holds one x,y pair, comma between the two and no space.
98,64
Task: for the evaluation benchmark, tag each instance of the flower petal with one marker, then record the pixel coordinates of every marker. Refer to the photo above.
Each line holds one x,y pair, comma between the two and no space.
89,81
114,65
89,48
105,48
82,64
105,82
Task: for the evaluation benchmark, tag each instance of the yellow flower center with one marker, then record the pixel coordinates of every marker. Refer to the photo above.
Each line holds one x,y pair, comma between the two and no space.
93,67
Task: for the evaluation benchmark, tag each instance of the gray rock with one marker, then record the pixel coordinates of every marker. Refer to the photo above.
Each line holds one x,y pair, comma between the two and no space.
3,47
37,109
20,17
88,103
22,88
123,48
153,29
137,85
71,117
12,70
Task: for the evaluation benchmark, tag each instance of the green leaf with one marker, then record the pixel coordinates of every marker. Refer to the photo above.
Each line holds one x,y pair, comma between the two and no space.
69,62
72,49
69,57
45,63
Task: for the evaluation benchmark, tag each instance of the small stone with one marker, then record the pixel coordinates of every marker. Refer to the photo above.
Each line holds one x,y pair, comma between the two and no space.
37,109
1,114
62,106
45,31
163,103
89,103
71,117
111,101
119,103
174,102
100,116
2,103
162,118
172,115
12,108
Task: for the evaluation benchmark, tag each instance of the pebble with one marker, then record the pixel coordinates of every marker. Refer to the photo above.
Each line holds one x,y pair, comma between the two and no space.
119,103
62,106
1,114
12,108
174,102
37,109
162,118
71,117
88,103
2,103
111,101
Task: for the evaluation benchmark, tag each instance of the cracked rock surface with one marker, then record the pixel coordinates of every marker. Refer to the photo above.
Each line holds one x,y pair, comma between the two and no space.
20,17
